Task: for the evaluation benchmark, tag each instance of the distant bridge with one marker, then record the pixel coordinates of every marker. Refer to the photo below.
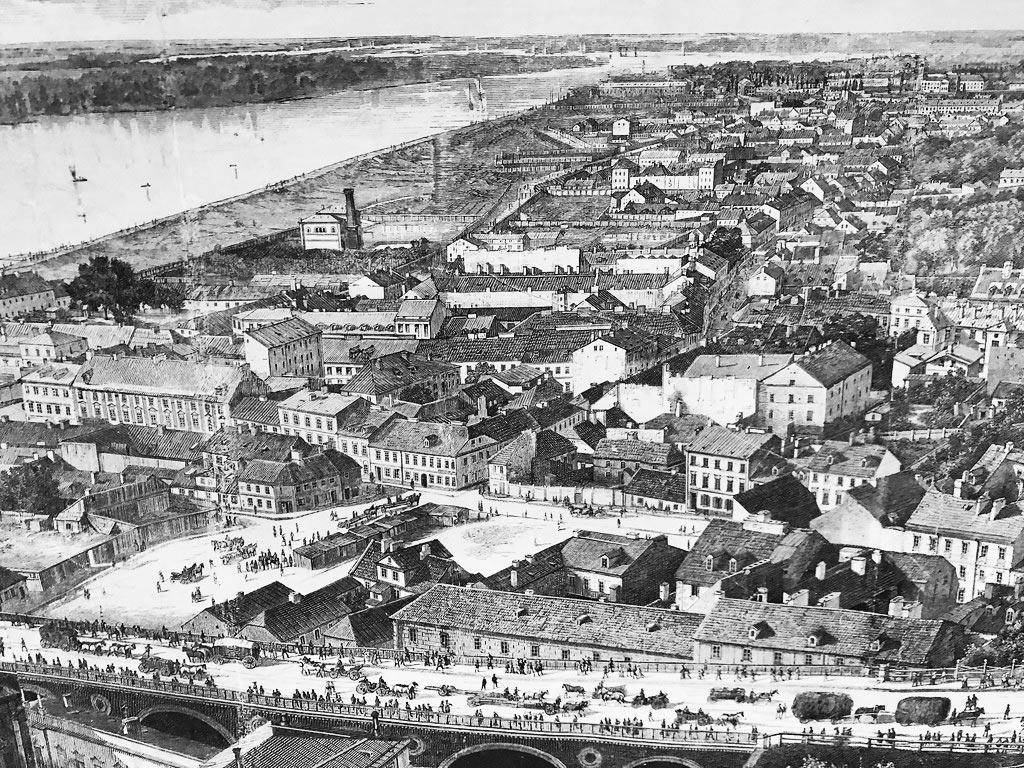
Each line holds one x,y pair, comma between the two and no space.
439,740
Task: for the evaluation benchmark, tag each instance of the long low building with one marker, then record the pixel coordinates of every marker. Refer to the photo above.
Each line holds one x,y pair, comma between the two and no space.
476,622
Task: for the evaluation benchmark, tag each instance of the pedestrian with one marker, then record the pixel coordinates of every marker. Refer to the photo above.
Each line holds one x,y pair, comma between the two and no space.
483,684
1006,712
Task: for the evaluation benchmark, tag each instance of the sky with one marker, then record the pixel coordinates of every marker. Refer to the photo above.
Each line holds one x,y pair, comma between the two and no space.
54,20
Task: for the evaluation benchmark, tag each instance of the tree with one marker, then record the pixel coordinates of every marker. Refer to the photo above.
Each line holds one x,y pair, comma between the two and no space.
30,488
111,285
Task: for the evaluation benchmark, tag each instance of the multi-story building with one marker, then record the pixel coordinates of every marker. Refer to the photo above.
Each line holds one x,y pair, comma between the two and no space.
839,466
402,376
334,228
195,397
48,393
318,417
596,566
24,293
289,347
723,387
617,461
510,625
420,318
769,634
983,538
301,483
816,389
51,346
615,356
722,462
913,311
427,455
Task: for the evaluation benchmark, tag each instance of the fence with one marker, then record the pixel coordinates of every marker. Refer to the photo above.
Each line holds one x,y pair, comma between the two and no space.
918,744
718,739
924,433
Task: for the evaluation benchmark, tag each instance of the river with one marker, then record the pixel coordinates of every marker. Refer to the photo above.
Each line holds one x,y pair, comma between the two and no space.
144,166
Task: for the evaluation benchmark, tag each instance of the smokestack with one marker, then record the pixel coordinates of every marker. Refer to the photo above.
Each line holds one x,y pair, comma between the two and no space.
513,575
350,202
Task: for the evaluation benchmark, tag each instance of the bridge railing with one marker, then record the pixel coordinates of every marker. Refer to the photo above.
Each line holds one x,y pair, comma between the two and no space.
910,743
532,722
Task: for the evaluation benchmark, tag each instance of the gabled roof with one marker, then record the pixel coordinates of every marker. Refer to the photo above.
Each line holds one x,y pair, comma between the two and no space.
613,626
785,499
722,441
160,378
891,500
284,332
239,611
840,458
838,632
724,540
833,363
652,484
289,620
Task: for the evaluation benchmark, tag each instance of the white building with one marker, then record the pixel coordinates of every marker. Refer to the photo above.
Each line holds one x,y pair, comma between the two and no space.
48,393
724,387
290,347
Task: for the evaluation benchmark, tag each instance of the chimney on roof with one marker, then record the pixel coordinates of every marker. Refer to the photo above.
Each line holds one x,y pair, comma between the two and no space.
296,455
718,361
852,439
819,570
663,589
982,505
294,598
876,555
237,751
997,508
859,565
513,575
424,550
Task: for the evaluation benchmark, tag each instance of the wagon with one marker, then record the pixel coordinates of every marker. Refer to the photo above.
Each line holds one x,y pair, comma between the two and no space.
56,634
738,695
235,649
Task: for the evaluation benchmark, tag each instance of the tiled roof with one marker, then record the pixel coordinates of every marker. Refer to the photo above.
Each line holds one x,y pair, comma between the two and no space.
23,284
289,620
258,410
135,440
319,403
317,466
417,437
840,458
348,351
833,363
285,332
438,563
387,374
785,498
551,445
370,627
554,619
503,426
459,350
756,367
838,632
553,411
652,484
241,610
941,514
295,748
160,378
247,445
722,441
724,540
658,454
892,499
590,432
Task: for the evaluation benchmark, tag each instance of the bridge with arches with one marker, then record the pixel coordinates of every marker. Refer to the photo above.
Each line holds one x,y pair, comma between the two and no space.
221,716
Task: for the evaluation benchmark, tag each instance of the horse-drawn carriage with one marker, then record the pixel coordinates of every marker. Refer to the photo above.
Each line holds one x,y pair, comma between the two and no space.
381,688
228,542
739,695
445,690
657,701
553,707
242,552
224,650
60,635
615,693
322,669
188,574
684,717
968,714
92,645
120,648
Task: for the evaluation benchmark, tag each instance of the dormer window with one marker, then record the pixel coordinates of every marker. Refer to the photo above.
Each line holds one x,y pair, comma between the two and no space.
732,565
752,633
584,619
604,561
812,641
709,563
876,646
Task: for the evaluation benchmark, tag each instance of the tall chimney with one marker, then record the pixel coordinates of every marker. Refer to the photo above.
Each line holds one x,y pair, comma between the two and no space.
663,591
513,575
819,570
350,203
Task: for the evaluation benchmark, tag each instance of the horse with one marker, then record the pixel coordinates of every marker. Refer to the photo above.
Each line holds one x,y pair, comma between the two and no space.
754,698
616,696
730,718
574,688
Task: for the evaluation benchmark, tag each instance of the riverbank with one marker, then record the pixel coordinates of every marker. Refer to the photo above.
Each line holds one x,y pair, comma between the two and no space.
450,172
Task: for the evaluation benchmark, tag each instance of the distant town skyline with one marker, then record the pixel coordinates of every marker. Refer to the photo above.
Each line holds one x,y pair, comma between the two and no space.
59,20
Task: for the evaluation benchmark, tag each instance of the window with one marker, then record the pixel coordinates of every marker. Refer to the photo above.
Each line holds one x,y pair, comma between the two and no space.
810,416
812,641
983,551
916,544
1001,553
964,546
732,565
777,658
443,639
747,655
963,572
808,659
999,577
718,464
535,650
960,595
948,547
504,648
477,643
810,398
716,651
412,634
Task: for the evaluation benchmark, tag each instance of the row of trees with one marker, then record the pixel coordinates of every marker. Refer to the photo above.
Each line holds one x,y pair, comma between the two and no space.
112,287
119,86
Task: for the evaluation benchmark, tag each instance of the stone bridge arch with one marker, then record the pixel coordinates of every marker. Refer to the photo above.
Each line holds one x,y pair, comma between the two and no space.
506,746
663,760
171,709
